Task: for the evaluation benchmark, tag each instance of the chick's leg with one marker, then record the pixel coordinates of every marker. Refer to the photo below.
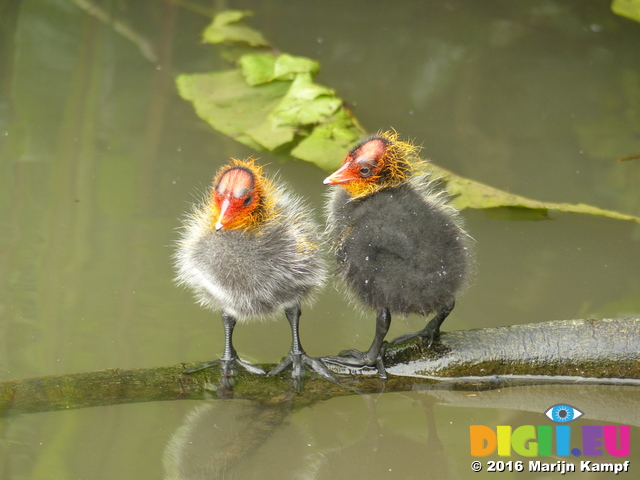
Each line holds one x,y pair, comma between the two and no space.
297,358
431,331
229,358
372,357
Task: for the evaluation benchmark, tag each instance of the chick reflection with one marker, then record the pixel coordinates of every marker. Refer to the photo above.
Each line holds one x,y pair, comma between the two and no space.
230,439
339,439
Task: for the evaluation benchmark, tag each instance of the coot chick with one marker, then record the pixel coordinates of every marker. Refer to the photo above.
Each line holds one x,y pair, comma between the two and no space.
399,247
249,250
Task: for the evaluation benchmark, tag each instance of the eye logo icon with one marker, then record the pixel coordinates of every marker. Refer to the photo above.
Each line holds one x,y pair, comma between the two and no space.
563,413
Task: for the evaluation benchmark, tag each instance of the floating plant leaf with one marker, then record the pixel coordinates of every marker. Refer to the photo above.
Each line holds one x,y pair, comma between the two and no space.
327,143
227,26
229,105
471,194
627,8
271,103
306,103
266,67
270,115
270,135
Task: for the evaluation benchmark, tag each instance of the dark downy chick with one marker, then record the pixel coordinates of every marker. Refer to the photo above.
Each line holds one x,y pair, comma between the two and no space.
251,249
399,247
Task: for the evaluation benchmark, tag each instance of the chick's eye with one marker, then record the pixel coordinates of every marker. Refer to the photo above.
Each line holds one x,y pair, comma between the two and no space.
365,171
247,201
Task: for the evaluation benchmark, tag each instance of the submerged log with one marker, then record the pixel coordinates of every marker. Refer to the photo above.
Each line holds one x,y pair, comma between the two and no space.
604,351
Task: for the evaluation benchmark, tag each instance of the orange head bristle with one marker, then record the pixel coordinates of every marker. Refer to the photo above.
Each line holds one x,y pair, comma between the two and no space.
377,162
239,196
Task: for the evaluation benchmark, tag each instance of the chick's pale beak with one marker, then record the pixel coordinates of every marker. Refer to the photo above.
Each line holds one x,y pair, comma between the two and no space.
221,218
342,175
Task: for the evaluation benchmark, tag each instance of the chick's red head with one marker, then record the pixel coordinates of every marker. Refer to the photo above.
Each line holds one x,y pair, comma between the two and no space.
375,163
237,197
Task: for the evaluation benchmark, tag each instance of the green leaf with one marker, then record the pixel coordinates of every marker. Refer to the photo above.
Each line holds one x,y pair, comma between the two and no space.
229,105
257,69
270,135
266,67
470,194
306,102
328,143
627,8
270,115
516,213
228,27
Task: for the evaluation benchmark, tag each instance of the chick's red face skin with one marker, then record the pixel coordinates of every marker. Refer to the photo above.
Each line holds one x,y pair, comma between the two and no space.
363,163
235,198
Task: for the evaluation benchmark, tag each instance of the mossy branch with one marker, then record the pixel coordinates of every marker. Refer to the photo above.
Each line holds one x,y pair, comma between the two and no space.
569,351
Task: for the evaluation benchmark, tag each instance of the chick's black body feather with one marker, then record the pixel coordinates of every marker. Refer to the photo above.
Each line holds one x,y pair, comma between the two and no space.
398,250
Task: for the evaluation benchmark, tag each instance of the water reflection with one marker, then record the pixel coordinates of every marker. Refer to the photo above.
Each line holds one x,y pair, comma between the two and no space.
367,437
234,439
242,439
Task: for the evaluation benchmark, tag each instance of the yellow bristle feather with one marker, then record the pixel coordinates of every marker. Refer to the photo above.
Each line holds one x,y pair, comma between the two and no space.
400,162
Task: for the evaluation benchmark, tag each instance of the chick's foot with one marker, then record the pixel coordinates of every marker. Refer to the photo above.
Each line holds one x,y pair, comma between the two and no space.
297,362
351,359
227,367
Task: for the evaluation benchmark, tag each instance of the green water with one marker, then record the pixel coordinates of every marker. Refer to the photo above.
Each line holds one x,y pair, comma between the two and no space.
99,158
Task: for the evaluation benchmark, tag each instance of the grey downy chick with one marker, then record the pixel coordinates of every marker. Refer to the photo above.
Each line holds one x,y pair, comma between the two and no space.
250,250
